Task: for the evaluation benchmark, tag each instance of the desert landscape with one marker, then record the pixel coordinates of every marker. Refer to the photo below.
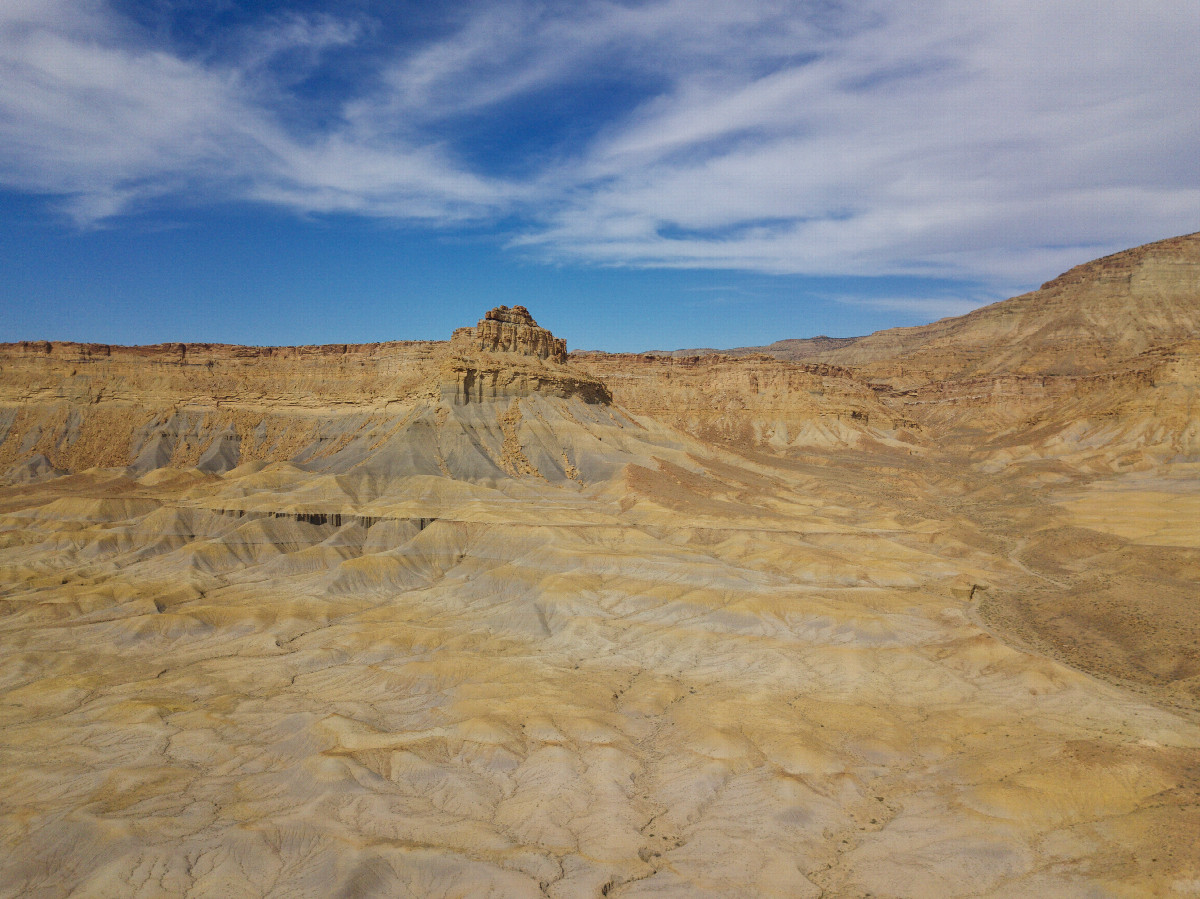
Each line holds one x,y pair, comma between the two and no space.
912,614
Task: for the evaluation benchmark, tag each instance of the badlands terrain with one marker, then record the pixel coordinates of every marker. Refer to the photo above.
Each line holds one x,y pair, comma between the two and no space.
908,615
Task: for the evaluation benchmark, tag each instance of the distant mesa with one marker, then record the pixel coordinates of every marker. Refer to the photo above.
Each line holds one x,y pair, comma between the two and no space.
508,355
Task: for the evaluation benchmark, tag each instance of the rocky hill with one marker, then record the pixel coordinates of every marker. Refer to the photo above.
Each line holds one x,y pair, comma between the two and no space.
513,330
1096,315
506,355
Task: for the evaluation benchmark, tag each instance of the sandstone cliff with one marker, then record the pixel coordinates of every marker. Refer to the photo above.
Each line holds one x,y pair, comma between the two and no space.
507,355
753,401
386,410
513,330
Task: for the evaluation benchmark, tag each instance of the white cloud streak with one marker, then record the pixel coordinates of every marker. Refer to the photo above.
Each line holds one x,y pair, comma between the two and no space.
957,138
109,126
980,139
927,307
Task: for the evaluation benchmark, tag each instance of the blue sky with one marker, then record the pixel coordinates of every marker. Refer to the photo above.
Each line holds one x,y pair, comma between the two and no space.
640,174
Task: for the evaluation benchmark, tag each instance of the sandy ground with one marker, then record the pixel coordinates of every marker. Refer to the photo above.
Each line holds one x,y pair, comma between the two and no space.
719,676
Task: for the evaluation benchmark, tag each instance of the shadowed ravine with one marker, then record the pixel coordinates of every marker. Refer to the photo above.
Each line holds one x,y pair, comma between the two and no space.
484,618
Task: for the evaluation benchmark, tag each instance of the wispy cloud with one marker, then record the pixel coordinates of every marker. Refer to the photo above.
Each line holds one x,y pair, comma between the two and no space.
105,123
949,139
285,50
957,138
922,305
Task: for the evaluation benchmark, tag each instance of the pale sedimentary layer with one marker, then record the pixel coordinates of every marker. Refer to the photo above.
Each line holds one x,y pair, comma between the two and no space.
692,679
324,621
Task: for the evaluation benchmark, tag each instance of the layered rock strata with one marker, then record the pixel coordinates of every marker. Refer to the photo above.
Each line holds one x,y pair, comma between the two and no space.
505,356
750,402
505,330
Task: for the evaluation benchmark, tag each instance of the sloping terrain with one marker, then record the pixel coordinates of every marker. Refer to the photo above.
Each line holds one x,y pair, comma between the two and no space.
481,618
1078,323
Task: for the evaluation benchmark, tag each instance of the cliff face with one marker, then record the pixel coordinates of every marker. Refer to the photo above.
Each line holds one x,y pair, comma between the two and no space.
82,406
751,402
504,330
505,356
68,407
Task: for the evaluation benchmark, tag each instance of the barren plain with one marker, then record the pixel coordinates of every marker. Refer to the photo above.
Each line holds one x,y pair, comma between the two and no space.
913,614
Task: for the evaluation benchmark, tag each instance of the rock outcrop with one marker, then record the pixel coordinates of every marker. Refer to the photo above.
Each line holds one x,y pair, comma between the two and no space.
505,330
752,401
507,355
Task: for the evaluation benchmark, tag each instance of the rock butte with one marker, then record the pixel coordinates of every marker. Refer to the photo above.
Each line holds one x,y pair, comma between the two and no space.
912,614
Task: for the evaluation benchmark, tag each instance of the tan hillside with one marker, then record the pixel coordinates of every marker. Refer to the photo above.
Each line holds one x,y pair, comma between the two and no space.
1081,322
